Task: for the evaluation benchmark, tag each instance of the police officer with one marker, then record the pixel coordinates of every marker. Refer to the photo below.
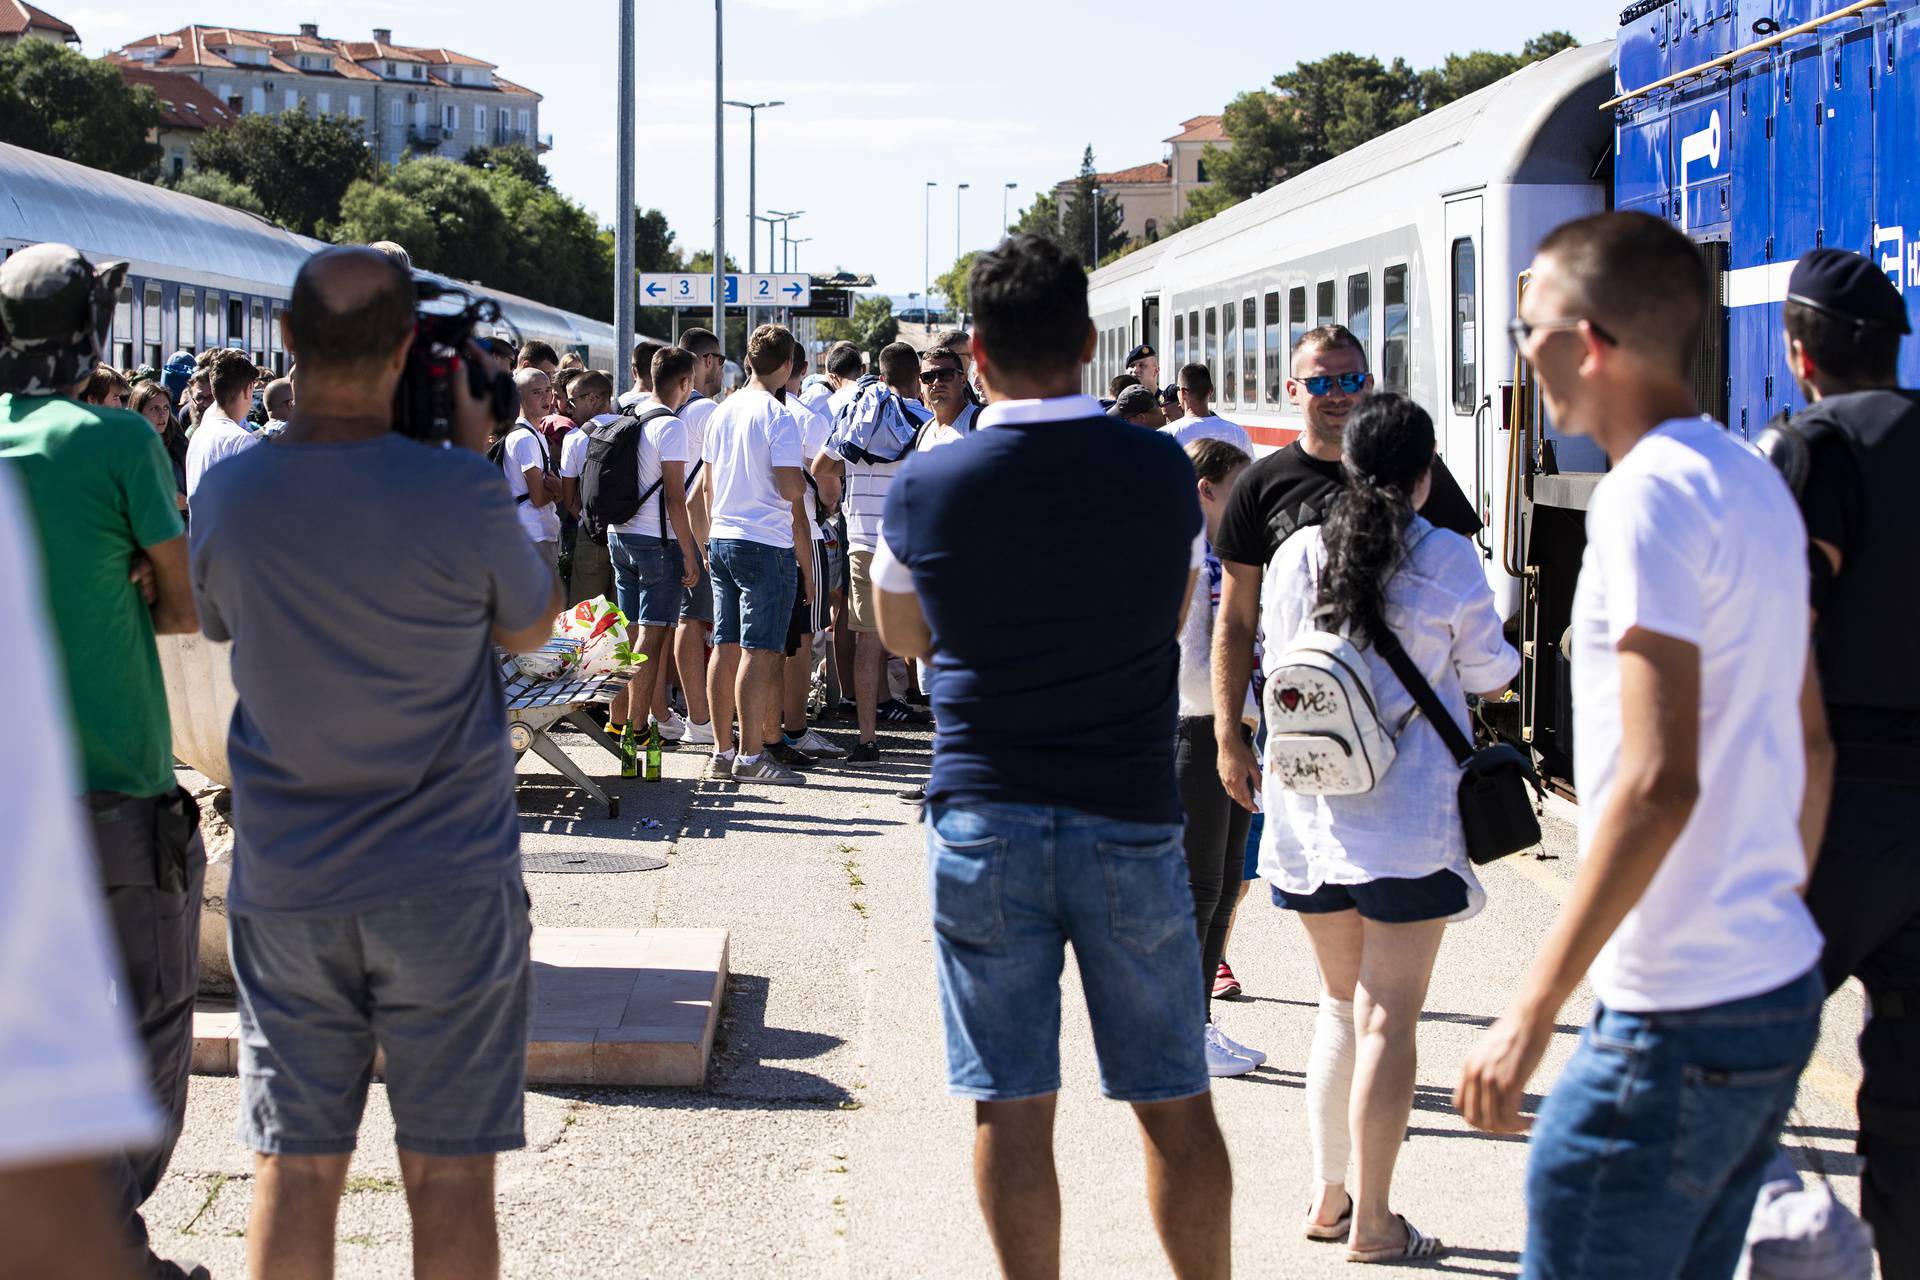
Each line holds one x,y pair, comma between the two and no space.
1852,457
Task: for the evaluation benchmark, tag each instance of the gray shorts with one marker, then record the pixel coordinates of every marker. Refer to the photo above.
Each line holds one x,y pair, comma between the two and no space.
441,983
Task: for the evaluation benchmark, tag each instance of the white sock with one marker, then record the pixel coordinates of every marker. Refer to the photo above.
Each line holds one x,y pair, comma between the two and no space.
1329,1083
728,754
751,760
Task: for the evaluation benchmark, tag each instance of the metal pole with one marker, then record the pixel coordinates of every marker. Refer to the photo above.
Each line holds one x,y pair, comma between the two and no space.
1005,225
926,266
624,279
1096,226
719,181
753,198
956,218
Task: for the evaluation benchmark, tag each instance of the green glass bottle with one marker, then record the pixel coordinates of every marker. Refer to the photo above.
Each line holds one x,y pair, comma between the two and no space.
629,753
653,751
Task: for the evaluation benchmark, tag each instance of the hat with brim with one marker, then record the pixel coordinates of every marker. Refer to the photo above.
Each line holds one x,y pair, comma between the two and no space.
55,311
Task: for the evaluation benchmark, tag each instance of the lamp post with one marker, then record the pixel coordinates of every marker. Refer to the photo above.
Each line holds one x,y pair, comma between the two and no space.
624,279
1004,224
926,266
794,245
753,110
783,217
957,239
1096,226
719,181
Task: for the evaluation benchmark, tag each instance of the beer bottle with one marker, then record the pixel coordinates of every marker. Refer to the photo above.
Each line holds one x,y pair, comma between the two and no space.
629,757
653,751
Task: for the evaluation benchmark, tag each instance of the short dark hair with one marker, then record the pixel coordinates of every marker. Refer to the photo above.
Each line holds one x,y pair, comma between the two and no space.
1328,337
844,360
231,373
1215,460
942,353
102,383
1029,300
369,324
670,364
899,364
770,348
702,342
537,352
1120,382
1196,379
591,383
1852,354
1637,276
565,378
955,340
643,353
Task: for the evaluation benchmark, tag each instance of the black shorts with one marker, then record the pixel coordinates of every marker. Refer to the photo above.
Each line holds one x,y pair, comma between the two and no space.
1389,901
809,616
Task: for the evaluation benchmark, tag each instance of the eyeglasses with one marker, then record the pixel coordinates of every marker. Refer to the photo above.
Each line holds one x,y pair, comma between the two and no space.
933,376
1323,383
1522,330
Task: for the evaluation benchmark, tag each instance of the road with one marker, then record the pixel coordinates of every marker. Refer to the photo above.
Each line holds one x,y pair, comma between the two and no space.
824,1144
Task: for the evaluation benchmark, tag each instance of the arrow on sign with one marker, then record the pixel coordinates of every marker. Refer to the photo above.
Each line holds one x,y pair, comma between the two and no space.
654,291
795,289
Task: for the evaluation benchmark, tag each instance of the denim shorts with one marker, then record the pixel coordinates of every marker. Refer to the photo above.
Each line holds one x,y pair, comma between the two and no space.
753,586
1387,900
697,605
646,578
1012,885
440,983
1647,1156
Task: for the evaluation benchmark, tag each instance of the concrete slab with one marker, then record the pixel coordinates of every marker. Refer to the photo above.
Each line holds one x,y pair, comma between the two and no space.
610,1007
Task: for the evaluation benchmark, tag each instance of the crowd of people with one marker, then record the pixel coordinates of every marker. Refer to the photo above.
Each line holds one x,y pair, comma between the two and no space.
1101,773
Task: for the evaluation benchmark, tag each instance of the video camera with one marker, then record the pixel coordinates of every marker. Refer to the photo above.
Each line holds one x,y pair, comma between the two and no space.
445,321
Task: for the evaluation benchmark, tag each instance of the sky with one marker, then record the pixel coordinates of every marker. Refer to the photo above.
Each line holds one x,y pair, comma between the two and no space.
883,96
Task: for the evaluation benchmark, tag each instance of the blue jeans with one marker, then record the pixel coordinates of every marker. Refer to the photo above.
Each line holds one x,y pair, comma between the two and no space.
753,586
1648,1154
646,578
1012,884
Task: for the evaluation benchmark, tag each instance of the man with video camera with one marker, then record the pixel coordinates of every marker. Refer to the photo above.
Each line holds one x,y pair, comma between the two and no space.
376,903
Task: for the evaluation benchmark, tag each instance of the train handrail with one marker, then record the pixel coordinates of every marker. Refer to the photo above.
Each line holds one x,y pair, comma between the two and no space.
1519,451
1758,46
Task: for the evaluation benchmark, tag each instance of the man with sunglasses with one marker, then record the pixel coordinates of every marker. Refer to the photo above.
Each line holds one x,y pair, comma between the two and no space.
696,611
1197,419
943,386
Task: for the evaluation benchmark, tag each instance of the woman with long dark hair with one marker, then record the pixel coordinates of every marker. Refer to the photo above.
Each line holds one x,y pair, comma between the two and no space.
1376,877
150,401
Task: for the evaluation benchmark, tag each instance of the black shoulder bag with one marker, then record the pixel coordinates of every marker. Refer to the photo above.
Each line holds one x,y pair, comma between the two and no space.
1495,810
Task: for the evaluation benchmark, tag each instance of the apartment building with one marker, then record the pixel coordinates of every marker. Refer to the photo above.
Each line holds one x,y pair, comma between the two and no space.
1152,195
21,21
411,100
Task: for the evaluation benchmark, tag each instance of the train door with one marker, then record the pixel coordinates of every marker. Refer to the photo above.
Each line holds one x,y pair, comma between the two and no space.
1466,442
1896,227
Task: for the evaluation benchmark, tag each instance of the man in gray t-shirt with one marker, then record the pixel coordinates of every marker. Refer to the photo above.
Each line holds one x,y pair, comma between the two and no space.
376,901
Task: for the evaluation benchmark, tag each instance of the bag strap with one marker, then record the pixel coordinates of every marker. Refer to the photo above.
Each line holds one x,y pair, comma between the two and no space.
1388,646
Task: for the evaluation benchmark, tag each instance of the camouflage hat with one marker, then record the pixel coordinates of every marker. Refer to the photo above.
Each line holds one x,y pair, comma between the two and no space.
55,310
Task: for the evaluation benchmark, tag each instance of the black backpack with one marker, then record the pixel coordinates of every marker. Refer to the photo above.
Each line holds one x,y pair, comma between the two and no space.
497,455
610,481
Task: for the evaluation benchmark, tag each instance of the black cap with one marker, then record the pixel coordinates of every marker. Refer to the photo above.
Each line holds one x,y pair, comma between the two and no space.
1134,401
1140,352
1843,284
1170,395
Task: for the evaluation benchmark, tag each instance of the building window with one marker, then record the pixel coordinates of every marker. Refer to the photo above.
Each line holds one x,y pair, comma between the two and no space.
1229,380
1275,357
189,334
1249,352
213,319
1200,170
123,317
479,119
399,111
150,315
1466,372
353,106
259,101
325,106
1394,345
1323,303
179,163
419,72
1360,308
450,116
524,117
293,99
1153,230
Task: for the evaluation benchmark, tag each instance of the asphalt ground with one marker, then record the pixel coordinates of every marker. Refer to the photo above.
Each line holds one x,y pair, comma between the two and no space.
824,1144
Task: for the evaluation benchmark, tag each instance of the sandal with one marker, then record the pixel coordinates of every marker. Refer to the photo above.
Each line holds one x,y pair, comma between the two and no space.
1418,1248
1329,1231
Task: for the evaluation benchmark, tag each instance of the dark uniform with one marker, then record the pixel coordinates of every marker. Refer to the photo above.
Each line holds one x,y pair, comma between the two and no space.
1860,453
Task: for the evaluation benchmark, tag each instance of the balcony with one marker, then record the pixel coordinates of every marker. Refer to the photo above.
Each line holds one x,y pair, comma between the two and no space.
505,137
424,137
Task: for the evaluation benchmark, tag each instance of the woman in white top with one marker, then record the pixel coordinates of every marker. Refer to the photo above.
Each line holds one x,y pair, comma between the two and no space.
1376,877
1216,834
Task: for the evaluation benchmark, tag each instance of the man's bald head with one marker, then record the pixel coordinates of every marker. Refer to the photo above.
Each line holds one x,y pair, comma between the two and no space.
352,308
279,399
536,393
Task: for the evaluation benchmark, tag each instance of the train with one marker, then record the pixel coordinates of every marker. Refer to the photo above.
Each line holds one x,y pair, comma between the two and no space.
202,275
1761,128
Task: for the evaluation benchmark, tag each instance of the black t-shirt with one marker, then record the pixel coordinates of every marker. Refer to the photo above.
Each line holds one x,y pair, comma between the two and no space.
1290,489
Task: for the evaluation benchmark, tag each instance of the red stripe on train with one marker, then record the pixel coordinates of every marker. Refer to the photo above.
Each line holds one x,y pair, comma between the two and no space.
1272,437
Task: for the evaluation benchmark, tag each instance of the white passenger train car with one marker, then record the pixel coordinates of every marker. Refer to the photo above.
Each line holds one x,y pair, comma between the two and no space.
1415,241
202,275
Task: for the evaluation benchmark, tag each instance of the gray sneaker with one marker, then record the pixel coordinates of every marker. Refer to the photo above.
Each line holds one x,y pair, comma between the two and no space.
768,770
720,769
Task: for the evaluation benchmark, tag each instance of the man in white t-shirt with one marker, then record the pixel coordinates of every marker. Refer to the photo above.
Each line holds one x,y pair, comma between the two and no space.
865,485
1198,421
222,431
73,1088
754,481
532,476
696,612
589,570
642,370
810,615
1703,769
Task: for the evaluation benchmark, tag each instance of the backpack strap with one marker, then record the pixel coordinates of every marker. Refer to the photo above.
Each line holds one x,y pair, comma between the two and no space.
523,495
1388,646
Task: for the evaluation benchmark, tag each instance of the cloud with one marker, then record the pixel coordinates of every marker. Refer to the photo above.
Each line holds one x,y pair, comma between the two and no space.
811,11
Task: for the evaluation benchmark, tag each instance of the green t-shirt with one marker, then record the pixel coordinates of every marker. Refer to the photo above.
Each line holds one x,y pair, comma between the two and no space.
100,488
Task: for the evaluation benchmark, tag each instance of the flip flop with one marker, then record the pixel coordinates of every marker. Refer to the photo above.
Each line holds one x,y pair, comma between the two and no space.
1418,1248
1335,1230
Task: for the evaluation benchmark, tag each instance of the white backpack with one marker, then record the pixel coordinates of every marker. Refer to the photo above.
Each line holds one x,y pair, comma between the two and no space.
1324,735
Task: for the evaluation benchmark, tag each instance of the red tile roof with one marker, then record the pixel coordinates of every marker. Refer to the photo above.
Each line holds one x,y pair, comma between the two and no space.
1200,129
17,17
1140,173
195,46
184,102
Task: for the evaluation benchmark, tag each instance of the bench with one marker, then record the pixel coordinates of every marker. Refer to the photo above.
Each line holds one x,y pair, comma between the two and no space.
535,706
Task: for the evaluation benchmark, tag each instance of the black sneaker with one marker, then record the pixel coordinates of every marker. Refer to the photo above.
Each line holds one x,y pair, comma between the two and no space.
894,711
787,756
866,753
913,795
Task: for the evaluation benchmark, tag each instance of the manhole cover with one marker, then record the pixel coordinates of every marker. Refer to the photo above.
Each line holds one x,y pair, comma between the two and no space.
603,863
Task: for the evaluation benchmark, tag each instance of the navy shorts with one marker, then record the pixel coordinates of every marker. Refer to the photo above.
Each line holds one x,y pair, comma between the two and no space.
440,983
1388,901
646,578
753,593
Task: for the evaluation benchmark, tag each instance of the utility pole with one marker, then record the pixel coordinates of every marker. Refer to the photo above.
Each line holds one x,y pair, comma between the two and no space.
624,279
753,110
1096,227
1004,224
719,181
926,266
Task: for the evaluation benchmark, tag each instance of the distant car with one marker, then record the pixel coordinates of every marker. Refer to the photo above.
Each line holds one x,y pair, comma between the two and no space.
920,315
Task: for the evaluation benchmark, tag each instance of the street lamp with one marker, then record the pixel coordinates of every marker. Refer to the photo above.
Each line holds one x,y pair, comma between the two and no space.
926,266
796,252
1004,224
624,281
753,110
1096,226
719,179
956,218
783,218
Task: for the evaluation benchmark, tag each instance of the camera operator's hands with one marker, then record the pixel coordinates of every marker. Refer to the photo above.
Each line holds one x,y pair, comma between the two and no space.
473,420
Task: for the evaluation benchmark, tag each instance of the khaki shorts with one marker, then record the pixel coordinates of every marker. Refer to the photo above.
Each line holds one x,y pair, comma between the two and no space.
863,609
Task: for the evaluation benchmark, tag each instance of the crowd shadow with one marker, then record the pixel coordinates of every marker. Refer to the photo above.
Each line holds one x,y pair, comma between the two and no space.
1431,1015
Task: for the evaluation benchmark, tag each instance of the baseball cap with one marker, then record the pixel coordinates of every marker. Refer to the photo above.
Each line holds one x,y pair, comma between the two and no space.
1134,400
1845,285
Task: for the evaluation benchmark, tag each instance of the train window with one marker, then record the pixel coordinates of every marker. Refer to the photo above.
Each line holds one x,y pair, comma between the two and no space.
1250,351
1228,384
1179,342
1136,331
188,333
1394,343
123,317
236,334
257,332
1360,308
1276,366
151,313
1296,315
1466,373
1323,303
1211,353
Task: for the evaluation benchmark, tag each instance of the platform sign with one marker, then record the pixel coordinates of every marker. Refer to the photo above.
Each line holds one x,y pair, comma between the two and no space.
677,289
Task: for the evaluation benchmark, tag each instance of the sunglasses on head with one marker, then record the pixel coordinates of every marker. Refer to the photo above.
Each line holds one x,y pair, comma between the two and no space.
1322,384
932,376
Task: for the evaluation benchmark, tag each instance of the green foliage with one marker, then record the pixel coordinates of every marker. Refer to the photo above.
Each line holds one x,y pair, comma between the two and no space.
299,164
652,251
1041,218
372,212
204,184
516,158
952,283
557,254
871,327
1203,203
1082,216
1267,144
62,103
468,238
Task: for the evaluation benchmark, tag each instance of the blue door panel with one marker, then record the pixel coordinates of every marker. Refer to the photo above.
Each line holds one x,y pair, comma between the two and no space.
1846,143
1641,56
1700,138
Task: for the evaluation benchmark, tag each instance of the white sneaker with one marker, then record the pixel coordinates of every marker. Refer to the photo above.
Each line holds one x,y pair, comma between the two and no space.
814,743
1222,1061
673,728
700,735
1234,1046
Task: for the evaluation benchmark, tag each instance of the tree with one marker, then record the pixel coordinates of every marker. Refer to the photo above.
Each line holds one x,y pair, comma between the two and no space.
1462,74
1267,145
468,234
871,327
61,103
652,251
204,184
370,212
1041,218
299,164
1203,204
558,256
952,283
516,158
1082,217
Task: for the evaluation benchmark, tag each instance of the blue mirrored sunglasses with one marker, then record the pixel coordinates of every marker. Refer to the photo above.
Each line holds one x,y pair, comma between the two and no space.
1321,384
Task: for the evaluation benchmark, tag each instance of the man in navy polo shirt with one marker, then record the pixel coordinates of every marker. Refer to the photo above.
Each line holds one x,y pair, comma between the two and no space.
1053,815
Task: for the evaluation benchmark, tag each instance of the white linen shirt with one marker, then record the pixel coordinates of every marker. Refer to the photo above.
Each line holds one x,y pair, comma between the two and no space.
1439,605
216,439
